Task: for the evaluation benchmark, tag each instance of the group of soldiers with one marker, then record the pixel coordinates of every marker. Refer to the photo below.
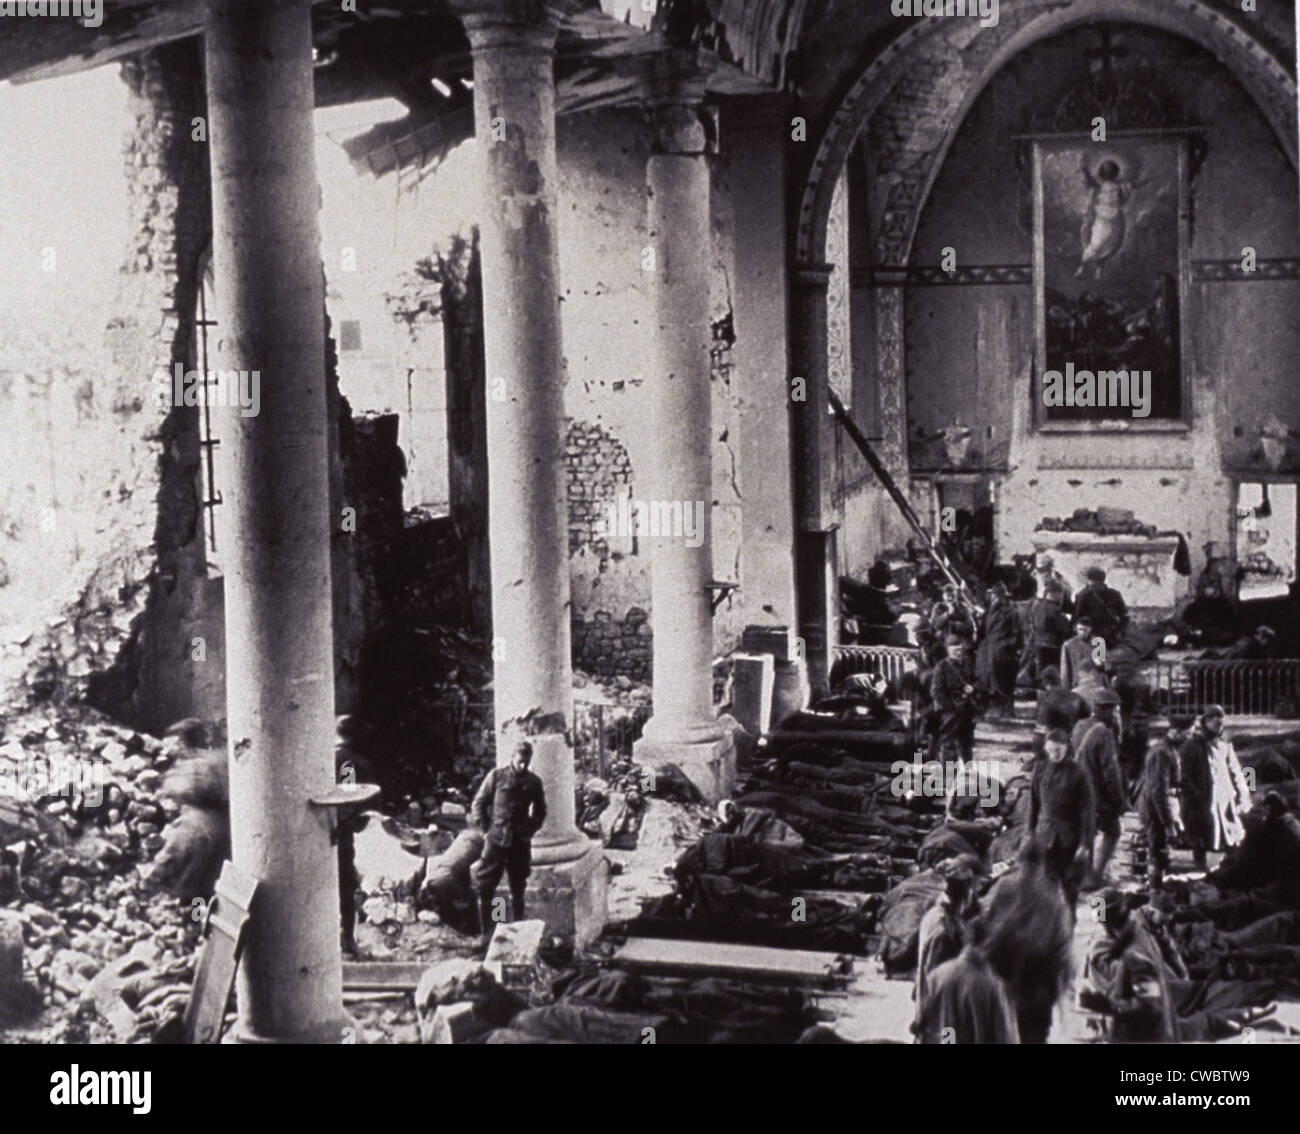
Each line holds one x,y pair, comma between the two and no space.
992,970
966,670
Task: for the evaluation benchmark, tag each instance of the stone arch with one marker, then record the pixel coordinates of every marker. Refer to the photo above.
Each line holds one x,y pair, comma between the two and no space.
936,106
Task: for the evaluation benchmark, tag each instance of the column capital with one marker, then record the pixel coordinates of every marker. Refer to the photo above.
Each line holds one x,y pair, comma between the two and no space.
673,82
512,23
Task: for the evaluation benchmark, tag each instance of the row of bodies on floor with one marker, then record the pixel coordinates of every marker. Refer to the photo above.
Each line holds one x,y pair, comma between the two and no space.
976,892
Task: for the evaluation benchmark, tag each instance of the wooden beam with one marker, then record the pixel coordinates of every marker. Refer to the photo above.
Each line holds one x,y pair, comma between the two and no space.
35,49
752,962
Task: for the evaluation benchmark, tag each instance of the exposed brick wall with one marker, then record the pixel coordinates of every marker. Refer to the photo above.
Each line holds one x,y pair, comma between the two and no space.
597,467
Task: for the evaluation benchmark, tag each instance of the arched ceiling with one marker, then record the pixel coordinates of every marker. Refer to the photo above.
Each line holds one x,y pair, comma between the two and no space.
917,89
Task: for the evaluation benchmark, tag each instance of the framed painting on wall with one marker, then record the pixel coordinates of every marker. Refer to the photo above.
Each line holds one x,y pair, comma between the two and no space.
1111,272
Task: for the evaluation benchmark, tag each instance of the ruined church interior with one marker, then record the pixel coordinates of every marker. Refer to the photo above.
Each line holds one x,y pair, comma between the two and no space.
649,521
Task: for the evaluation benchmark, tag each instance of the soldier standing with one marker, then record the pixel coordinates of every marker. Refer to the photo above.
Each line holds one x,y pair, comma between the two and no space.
509,808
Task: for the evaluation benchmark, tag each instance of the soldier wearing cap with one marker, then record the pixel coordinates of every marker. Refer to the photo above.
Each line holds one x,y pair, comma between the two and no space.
1096,749
1049,578
1157,786
1214,792
1128,977
1103,606
509,808
1062,812
942,930
952,690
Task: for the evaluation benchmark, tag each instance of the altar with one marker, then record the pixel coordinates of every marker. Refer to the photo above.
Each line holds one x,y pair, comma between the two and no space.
1141,568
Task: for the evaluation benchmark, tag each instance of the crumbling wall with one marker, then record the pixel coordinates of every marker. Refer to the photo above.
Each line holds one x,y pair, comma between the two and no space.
181,648
107,595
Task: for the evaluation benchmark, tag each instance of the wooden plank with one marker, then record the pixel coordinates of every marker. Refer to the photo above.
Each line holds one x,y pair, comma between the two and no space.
376,976
363,997
741,961
224,926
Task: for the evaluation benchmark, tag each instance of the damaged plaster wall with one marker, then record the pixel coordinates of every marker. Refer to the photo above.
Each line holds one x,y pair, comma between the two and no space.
607,300
608,328
969,349
107,594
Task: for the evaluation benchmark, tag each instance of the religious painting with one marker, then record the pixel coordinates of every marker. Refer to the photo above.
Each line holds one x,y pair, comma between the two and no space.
1110,280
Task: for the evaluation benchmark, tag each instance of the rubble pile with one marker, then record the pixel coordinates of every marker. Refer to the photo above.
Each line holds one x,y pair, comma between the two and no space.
81,820
1103,521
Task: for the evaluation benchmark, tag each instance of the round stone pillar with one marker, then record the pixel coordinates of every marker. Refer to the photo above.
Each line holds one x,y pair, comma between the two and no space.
279,651
684,729
513,45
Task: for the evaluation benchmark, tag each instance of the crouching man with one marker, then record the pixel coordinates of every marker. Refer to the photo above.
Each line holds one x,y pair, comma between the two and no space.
509,809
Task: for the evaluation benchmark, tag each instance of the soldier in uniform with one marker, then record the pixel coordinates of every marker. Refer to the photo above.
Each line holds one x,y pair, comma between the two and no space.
952,690
1159,782
509,808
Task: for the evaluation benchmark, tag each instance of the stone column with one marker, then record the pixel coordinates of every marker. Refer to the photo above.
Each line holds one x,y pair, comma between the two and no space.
279,653
513,44
815,577
684,729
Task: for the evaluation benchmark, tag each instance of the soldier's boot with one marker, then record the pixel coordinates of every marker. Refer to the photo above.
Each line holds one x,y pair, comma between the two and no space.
485,923
516,903
1155,876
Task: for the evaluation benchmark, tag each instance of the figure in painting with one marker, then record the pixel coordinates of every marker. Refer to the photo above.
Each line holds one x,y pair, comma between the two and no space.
1104,223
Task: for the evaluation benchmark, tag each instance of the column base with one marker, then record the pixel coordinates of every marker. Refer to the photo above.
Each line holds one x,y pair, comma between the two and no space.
345,1030
570,896
709,764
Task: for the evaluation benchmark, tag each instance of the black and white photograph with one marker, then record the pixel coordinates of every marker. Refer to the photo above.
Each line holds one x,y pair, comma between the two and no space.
636,522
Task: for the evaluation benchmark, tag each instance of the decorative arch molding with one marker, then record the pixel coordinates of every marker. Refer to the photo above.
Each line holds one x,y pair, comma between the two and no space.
953,46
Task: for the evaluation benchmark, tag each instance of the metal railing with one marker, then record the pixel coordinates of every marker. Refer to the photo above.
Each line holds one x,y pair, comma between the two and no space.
601,734
890,661
1243,688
